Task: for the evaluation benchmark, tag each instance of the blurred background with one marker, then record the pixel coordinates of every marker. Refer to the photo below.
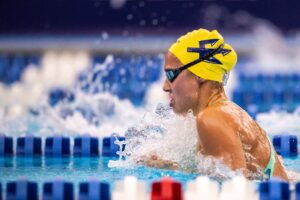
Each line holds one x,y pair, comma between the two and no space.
85,65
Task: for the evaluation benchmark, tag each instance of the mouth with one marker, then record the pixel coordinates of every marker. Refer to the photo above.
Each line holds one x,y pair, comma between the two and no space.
172,101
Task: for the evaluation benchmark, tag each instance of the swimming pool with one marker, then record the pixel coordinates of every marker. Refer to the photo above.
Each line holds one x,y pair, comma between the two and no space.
86,108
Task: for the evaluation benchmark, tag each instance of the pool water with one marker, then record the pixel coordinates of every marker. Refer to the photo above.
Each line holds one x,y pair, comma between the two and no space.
292,163
77,170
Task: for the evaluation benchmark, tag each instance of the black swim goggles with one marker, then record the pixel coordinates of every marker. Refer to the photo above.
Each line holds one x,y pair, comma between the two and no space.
172,74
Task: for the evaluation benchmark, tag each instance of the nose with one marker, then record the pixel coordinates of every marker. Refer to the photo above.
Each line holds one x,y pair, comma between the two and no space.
167,86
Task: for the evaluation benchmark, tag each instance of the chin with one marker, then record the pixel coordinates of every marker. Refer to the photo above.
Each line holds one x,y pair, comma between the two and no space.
179,111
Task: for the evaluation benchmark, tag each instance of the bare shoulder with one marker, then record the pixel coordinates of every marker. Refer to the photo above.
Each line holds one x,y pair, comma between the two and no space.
218,137
212,116
216,131
229,115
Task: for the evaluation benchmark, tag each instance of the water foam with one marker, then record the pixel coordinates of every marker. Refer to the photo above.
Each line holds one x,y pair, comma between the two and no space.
98,114
280,122
163,139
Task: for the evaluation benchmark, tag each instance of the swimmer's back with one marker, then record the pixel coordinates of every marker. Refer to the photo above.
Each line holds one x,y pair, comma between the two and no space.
238,127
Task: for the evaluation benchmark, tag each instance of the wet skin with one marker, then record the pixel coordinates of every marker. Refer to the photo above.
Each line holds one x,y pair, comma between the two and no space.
225,130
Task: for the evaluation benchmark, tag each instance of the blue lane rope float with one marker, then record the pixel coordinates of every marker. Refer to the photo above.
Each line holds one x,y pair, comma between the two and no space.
57,146
274,189
6,145
86,146
298,191
22,189
286,144
29,146
94,190
58,190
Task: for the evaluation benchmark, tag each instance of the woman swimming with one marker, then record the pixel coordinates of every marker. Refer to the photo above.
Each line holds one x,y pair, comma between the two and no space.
196,67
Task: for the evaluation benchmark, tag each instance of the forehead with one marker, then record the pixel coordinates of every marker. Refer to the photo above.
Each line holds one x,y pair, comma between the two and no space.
171,61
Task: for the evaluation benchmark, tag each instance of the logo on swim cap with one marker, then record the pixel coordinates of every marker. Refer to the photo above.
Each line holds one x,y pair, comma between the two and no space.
206,51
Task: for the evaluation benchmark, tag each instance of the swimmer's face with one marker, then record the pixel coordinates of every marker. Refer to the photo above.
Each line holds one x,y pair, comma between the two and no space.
184,90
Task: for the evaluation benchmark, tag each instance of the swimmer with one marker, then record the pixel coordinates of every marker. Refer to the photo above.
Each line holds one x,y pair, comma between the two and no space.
197,66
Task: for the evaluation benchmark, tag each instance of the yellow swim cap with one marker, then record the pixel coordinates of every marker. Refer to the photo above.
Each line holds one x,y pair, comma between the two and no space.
200,43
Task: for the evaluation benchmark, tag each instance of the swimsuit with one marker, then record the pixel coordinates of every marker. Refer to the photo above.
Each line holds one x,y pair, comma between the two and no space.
269,170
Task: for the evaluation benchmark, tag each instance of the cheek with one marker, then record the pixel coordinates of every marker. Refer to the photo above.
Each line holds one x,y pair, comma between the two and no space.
185,95
186,90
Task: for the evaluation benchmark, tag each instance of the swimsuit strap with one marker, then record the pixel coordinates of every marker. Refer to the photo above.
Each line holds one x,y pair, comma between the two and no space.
269,170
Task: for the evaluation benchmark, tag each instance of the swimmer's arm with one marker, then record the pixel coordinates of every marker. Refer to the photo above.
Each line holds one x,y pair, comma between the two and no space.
152,160
219,139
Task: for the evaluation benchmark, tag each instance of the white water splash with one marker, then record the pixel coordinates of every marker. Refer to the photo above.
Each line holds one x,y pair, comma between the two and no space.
98,114
170,139
280,122
166,135
56,70
208,165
